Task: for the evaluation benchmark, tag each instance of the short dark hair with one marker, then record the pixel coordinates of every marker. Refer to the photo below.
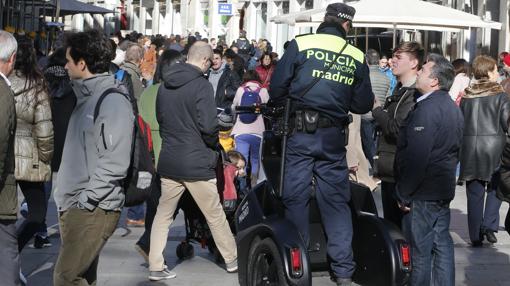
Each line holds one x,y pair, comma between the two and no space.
230,54
373,57
461,66
93,47
251,75
414,49
167,59
442,70
218,52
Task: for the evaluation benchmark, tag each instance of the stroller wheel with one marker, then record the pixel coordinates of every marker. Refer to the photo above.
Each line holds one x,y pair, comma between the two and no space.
185,250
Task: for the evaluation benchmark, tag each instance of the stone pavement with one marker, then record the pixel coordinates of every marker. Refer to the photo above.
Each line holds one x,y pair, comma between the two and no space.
121,265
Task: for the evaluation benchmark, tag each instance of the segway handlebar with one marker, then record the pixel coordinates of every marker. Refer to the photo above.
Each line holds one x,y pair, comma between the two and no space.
263,109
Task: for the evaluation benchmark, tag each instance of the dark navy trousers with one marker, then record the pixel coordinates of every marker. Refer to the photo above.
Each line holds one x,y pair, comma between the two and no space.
481,219
321,155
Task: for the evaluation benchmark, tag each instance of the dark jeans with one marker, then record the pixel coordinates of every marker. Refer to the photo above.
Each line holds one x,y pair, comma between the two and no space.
37,206
431,244
9,254
136,212
43,228
390,206
321,155
368,139
150,211
480,219
83,235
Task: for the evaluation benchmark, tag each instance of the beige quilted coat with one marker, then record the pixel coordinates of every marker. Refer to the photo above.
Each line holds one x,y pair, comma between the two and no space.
33,145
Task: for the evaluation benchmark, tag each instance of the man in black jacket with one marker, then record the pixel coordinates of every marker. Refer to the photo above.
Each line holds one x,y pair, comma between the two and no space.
407,59
427,156
224,82
317,148
186,114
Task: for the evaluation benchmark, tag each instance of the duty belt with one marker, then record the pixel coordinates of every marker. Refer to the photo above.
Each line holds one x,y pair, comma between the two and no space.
309,121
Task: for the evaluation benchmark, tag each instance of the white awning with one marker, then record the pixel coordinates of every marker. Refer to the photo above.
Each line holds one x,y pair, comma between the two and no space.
399,14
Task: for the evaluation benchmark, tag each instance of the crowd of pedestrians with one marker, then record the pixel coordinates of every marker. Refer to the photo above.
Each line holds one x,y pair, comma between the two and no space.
433,125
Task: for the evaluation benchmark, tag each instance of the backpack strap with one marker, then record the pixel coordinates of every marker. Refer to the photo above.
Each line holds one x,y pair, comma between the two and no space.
102,97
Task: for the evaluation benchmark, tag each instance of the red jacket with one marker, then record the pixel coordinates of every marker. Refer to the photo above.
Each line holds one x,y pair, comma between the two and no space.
265,74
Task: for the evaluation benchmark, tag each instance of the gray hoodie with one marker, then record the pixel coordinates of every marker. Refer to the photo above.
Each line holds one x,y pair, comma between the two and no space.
97,155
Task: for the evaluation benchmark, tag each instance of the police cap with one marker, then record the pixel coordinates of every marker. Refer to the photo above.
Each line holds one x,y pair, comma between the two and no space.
341,10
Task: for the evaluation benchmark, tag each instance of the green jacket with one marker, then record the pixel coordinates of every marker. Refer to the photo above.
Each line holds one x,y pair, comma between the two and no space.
8,191
147,109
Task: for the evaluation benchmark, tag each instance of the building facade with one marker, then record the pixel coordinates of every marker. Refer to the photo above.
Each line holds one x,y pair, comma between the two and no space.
224,18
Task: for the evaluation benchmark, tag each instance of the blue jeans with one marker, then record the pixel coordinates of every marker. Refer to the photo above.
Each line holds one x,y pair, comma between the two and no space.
431,244
249,146
481,219
136,212
368,139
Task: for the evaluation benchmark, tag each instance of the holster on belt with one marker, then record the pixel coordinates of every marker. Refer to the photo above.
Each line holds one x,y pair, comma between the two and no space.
310,120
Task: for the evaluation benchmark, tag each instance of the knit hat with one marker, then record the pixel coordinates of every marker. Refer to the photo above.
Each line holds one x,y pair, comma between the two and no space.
506,60
225,121
341,10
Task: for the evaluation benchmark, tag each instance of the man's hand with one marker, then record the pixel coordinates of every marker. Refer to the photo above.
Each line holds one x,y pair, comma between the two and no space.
403,207
376,104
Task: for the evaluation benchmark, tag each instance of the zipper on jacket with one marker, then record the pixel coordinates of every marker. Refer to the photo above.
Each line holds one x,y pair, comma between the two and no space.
399,102
102,136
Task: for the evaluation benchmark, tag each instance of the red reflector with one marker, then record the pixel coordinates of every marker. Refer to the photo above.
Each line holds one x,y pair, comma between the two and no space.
295,257
406,256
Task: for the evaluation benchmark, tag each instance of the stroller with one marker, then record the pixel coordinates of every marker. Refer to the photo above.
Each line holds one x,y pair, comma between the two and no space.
197,230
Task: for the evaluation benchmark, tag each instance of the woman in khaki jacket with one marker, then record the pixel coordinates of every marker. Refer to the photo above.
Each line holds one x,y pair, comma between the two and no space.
33,146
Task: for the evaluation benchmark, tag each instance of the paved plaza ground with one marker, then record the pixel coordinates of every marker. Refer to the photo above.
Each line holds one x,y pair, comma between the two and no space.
121,265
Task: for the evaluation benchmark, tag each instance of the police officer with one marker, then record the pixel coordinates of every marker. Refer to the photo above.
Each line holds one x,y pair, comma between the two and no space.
326,78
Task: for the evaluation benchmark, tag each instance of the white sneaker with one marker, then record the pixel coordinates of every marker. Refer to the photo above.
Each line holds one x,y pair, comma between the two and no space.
22,278
161,275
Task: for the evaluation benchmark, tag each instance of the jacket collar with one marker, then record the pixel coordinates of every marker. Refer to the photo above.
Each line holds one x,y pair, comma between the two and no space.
87,87
6,79
131,66
483,88
332,29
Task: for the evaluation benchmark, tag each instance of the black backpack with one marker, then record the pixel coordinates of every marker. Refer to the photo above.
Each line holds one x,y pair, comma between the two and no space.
141,173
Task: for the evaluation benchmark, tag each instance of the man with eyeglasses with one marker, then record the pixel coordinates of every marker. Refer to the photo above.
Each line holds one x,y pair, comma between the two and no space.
186,113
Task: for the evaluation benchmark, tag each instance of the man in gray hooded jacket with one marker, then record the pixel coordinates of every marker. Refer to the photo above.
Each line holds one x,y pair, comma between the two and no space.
96,157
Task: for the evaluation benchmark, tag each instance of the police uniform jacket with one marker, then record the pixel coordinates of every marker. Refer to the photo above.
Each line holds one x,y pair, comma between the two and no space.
345,87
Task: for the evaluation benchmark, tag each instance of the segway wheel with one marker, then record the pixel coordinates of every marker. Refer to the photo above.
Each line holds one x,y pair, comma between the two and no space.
265,266
185,250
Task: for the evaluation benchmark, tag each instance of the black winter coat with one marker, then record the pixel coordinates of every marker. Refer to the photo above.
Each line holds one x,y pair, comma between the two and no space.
227,87
389,119
63,101
486,110
503,190
186,114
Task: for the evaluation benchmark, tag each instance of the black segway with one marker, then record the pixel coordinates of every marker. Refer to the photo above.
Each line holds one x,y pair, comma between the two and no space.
272,252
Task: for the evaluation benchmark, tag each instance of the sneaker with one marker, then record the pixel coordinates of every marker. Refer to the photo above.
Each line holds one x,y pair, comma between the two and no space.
135,223
491,237
23,210
22,278
232,266
41,242
161,275
143,250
